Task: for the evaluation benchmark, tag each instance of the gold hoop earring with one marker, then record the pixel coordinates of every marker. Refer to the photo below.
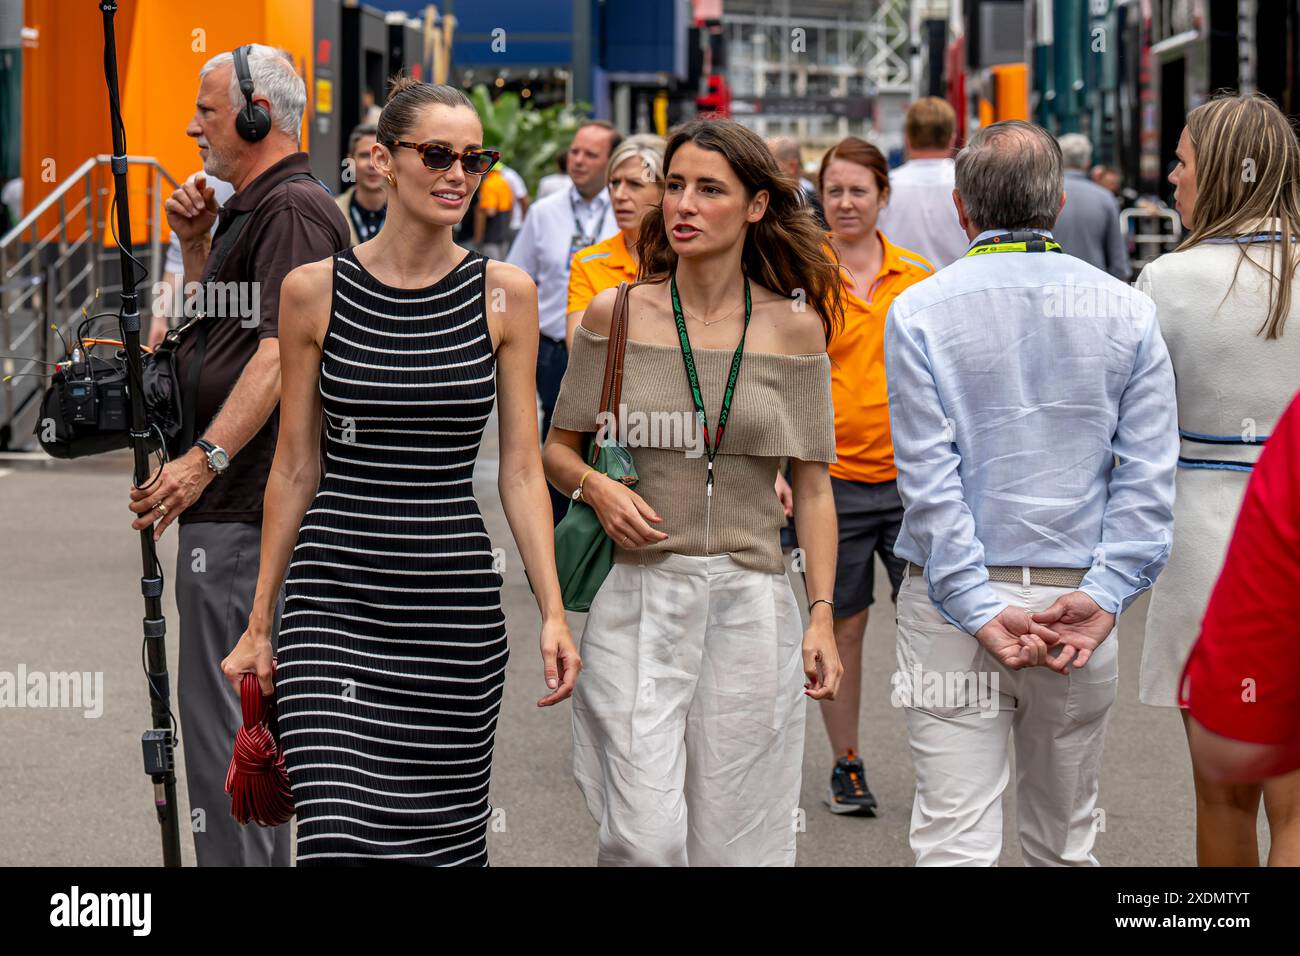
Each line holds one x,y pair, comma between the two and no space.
391,181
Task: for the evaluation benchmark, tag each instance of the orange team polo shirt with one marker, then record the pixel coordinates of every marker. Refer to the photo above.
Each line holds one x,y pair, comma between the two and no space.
597,268
494,194
863,449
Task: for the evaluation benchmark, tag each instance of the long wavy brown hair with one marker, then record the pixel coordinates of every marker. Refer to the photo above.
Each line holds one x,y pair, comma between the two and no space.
785,251
1248,169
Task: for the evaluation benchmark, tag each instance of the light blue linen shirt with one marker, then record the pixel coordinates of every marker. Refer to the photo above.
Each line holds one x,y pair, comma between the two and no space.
1033,415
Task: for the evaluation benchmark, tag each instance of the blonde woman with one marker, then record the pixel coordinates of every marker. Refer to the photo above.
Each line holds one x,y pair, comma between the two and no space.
1225,300
635,180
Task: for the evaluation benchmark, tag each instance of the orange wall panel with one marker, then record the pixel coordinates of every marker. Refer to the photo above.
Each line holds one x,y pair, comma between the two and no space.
65,99
289,27
161,46
1011,83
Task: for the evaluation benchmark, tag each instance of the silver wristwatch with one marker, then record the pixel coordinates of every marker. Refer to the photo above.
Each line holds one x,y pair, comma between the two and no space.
218,460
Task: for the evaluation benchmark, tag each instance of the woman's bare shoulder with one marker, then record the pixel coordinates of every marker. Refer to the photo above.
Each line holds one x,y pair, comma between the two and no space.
309,279
795,325
305,296
599,315
642,298
503,275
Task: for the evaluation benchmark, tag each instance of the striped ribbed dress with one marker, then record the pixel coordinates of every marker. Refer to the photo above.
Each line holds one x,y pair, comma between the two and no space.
392,648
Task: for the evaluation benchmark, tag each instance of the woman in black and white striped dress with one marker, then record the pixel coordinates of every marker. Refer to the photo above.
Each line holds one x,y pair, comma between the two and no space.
392,647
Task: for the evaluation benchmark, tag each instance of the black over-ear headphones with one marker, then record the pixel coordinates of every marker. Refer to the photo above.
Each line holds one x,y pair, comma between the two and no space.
252,122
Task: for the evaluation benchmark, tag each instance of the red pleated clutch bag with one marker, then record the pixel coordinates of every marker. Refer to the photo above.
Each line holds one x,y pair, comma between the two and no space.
257,781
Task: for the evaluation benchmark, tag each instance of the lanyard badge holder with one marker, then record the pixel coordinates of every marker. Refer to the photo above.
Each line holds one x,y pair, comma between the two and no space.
697,397
583,235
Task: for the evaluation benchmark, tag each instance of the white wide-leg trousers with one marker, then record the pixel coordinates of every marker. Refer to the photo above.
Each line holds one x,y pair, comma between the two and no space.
688,719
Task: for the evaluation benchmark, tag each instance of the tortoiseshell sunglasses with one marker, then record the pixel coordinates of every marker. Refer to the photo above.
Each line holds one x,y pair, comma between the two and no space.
476,162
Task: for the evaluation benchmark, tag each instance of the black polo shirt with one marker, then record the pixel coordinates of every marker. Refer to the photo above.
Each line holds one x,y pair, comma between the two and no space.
291,224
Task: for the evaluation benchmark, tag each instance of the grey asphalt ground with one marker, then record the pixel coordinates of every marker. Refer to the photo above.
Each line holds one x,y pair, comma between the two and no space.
73,792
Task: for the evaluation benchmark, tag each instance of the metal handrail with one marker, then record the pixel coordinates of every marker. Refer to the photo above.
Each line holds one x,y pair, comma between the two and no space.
1162,241
44,206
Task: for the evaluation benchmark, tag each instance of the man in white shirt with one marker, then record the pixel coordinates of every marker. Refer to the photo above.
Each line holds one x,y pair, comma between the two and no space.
920,215
555,228
12,197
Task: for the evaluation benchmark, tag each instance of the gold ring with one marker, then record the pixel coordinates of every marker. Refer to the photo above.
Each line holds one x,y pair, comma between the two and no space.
161,509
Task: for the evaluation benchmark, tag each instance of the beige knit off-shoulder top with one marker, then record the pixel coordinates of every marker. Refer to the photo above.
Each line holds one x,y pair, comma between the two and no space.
781,409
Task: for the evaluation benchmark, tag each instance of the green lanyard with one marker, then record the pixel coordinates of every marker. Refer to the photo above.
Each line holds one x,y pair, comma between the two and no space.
693,377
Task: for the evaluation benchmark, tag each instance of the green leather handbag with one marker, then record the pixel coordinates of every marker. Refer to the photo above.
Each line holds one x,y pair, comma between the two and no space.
584,553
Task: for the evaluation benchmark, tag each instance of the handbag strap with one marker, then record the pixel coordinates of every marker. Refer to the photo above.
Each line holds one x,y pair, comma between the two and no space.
611,391
190,395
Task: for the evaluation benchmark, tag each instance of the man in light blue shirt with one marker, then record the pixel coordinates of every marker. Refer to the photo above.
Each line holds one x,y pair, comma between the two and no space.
1033,418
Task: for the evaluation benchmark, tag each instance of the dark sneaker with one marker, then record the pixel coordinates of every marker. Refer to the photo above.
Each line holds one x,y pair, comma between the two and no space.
849,792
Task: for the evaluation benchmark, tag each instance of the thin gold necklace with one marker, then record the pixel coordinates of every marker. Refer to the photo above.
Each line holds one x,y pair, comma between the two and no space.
707,323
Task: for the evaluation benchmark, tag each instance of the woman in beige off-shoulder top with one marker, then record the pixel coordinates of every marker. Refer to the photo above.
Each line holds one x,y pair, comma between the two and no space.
689,719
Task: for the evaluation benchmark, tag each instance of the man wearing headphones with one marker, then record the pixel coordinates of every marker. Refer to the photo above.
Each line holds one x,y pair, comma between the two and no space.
247,123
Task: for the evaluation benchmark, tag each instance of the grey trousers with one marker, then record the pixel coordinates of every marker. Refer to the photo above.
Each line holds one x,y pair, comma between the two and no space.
216,575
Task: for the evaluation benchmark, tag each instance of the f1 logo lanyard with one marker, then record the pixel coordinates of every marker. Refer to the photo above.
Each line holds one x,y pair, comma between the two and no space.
1014,242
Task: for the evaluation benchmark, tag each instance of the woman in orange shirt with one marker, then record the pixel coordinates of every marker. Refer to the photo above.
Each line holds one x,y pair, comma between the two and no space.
854,184
635,177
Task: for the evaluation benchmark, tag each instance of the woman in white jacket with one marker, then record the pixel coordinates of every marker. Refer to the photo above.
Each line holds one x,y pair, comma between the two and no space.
1224,298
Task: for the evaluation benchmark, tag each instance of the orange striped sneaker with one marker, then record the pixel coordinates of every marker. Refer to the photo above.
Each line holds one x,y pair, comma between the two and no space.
849,792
